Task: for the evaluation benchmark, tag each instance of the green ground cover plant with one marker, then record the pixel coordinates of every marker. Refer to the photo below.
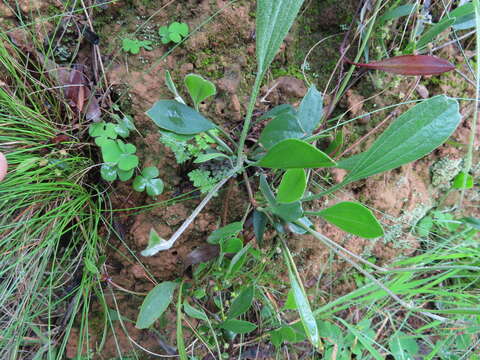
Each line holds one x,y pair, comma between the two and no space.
421,306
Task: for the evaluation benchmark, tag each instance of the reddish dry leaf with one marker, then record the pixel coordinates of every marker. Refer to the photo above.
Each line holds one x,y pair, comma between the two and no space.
410,65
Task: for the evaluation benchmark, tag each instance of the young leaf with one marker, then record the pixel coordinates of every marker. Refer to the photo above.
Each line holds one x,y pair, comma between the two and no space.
224,233
284,126
194,312
274,19
463,181
353,218
178,118
155,303
241,303
411,136
410,65
292,186
153,241
199,88
295,154
310,110
238,326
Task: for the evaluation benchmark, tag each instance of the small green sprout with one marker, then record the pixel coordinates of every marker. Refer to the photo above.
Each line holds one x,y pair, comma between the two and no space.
173,33
119,160
149,181
134,45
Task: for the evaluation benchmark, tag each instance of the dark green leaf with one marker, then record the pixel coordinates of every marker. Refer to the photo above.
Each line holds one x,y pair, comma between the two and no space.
281,127
259,224
199,88
125,175
310,110
179,118
155,303
274,19
288,212
353,218
414,134
292,186
224,233
238,326
241,303
293,153
237,261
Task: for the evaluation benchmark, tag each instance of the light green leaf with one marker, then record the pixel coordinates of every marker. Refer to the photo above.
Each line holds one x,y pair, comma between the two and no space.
207,157
224,233
199,88
279,110
293,153
178,118
127,162
274,19
150,172
194,312
292,186
237,261
232,245
155,303
434,31
110,151
125,175
290,304
238,326
155,187
353,218
411,136
310,110
281,127
153,240
306,314
242,303
403,347
397,12
463,181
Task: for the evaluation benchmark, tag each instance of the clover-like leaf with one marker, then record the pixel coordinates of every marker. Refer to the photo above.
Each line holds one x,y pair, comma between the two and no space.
110,151
125,175
148,181
179,28
134,45
124,126
108,172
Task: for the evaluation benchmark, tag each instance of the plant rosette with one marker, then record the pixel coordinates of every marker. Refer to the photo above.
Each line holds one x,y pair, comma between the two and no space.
148,180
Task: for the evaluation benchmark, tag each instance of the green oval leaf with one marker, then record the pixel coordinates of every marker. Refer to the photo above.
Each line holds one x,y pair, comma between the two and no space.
354,218
293,153
194,312
292,186
224,233
463,181
288,212
155,303
199,88
178,118
242,303
281,127
411,136
310,110
238,326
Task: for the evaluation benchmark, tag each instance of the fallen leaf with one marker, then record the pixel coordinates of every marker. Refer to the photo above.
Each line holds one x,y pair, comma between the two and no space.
410,65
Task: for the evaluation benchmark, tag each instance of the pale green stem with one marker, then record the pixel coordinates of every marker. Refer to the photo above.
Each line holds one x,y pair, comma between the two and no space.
473,127
248,117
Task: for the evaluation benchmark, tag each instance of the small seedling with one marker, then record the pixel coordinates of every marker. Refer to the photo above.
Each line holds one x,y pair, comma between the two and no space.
149,181
134,45
176,32
119,160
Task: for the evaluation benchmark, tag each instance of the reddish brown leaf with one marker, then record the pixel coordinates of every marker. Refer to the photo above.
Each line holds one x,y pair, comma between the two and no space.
410,65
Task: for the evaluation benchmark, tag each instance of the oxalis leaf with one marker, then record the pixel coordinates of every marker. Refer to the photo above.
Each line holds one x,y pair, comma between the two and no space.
274,19
295,154
353,218
155,304
178,118
411,136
